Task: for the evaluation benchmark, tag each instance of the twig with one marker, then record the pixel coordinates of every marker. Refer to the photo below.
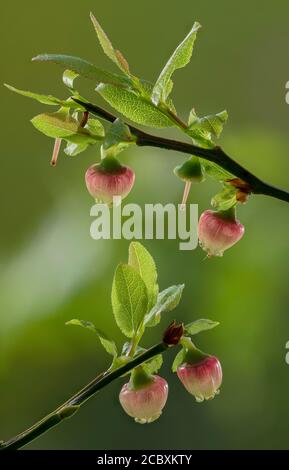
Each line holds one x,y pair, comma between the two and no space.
215,155
71,406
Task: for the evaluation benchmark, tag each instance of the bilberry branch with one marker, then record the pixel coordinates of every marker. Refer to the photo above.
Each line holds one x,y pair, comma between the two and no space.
71,406
216,155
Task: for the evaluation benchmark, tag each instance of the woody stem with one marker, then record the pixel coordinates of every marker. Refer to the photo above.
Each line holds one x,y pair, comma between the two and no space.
215,155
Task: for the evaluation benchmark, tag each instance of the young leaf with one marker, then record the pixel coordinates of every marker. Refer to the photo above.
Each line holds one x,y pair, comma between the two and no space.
215,171
68,78
126,347
212,124
72,149
179,59
84,68
129,299
44,99
108,344
141,260
179,360
167,300
62,125
202,130
200,325
114,54
117,138
225,199
145,88
152,366
133,106
119,362
55,124
95,127
200,137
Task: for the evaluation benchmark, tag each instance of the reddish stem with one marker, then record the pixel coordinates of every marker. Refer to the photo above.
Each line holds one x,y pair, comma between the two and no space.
56,149
186,194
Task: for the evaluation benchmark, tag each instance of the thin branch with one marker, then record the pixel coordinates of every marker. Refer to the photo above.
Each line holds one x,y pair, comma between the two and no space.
215,155
71,406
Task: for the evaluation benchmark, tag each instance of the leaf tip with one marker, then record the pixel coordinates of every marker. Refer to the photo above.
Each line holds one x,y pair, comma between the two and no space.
134,245
92,17
8,86
94,21
225,115
40,57
197,25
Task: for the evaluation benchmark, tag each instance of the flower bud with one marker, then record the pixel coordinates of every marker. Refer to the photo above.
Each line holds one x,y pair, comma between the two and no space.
203,378
109,178
173,334
144,396
218,231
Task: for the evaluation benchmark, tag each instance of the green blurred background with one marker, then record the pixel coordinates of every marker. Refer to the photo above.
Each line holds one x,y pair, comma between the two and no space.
52,271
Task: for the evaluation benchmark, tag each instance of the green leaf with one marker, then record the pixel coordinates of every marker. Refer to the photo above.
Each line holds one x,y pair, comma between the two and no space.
202,130
44,99
212,124
62,125
119,362
179,360
141,260
225,199
167,300
114,54
117,138
126,347
108,344
134,106
56,124
72,149
129,299
179,59
200,325
146,89
215,171
201,138
153,365
84,68
95,127
68,78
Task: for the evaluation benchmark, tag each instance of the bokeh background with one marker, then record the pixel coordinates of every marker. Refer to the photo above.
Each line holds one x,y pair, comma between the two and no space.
52,271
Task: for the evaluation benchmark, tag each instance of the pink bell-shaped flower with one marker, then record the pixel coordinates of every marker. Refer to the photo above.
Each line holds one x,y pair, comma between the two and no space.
109,178
218,231
202,379
144,396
